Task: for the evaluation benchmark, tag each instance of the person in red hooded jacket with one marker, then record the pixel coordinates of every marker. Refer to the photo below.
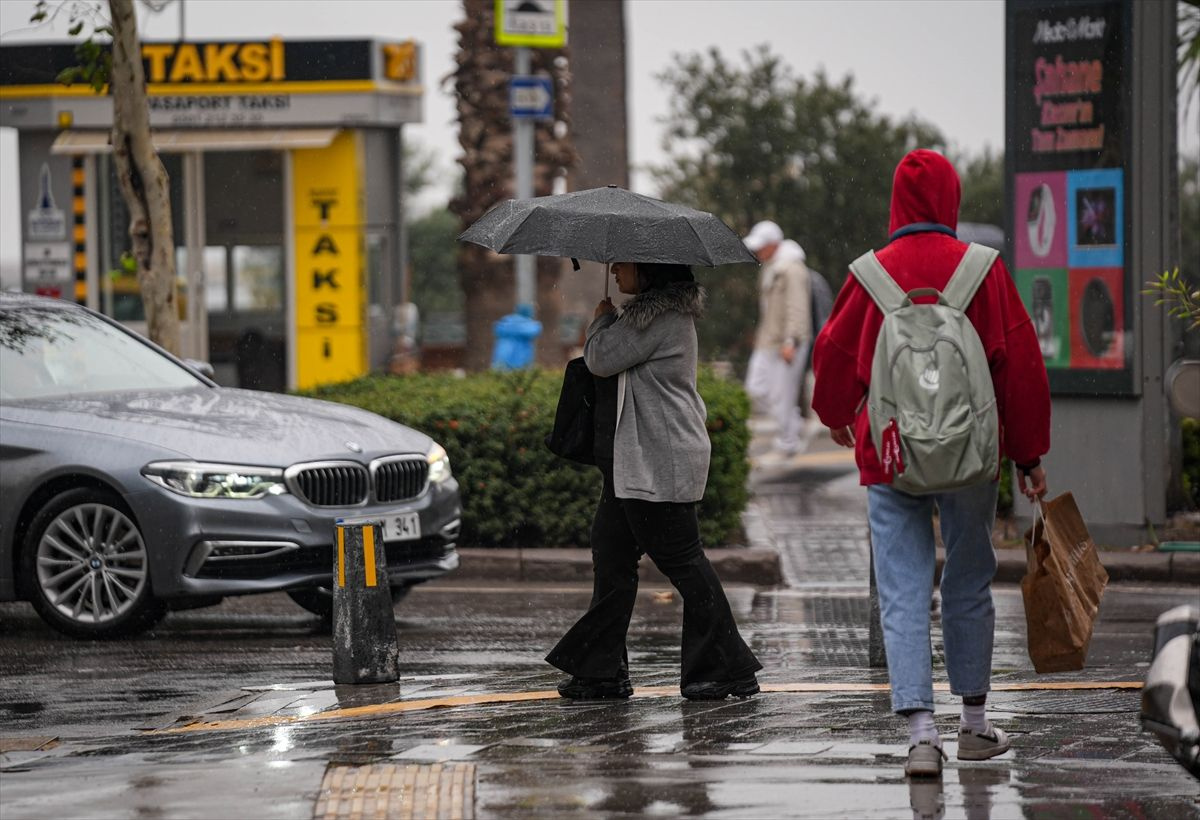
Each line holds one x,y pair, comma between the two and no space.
923,252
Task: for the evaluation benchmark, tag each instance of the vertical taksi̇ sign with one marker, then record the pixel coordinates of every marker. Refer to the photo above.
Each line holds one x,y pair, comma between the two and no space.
330,293
1067,167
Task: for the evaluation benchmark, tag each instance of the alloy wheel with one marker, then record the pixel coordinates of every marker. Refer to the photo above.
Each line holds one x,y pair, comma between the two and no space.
91,563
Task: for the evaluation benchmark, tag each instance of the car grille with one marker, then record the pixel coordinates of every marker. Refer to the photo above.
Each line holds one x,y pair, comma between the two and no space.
302,561
332,484
399,479
319,560
350,484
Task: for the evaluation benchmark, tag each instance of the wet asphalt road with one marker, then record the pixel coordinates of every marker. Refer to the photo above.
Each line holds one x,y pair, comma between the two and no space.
230,711
1078,753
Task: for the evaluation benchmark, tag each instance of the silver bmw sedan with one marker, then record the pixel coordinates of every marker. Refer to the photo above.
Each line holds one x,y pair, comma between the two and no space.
130,483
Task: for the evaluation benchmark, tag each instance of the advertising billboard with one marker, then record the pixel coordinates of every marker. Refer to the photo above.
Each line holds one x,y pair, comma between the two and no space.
1067,170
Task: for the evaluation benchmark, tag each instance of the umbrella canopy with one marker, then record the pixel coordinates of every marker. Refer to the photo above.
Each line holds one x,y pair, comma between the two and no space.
608,225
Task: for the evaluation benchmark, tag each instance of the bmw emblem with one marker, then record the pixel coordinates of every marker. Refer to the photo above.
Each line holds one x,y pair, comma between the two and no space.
354,446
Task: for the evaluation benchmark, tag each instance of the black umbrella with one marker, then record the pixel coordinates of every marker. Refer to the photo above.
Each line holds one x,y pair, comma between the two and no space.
608,225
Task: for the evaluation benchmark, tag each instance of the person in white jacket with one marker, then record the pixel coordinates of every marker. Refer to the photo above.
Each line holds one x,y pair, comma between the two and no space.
781,345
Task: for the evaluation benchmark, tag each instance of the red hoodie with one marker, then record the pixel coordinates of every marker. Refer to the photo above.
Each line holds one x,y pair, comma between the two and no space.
926,189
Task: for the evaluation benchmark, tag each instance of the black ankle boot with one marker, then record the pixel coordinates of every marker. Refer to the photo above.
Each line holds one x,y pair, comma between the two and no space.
578,688
721,689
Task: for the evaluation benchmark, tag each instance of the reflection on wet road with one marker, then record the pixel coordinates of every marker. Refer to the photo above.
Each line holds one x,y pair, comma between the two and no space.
817,743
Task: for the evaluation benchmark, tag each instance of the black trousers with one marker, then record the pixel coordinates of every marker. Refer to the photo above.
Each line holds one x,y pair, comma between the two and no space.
669,533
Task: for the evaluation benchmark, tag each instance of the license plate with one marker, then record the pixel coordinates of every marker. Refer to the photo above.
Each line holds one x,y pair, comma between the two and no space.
402,527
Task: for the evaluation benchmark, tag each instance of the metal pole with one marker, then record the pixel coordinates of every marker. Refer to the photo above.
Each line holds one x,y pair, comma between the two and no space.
194,242
523,160
403,286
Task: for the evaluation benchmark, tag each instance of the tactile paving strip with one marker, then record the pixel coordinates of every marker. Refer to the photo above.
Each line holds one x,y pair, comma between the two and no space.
1080,703
388,790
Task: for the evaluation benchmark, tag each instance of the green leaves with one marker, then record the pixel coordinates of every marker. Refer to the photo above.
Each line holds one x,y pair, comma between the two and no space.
1190,436
1189,46
433,249
94,66
1181,298
982,188
751,141
129,265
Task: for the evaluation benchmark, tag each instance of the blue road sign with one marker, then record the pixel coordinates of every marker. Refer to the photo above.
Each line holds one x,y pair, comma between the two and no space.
531,97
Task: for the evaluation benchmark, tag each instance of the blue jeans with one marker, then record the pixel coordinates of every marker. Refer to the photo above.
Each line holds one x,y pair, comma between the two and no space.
905,559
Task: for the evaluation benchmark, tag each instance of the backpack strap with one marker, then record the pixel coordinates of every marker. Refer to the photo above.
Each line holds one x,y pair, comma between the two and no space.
969,275
877,282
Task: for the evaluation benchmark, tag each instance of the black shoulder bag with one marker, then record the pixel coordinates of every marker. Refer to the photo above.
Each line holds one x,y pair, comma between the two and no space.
575,419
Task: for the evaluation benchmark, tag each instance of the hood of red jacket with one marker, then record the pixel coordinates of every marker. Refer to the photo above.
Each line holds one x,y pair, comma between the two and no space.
925,188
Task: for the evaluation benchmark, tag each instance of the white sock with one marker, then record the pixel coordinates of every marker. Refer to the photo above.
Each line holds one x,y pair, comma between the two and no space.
974,717
921,727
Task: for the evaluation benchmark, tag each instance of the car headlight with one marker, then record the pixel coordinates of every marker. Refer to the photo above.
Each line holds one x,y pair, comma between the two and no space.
196,479
439,464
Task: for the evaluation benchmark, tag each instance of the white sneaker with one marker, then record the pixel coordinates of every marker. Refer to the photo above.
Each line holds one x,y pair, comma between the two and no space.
924,759
983,745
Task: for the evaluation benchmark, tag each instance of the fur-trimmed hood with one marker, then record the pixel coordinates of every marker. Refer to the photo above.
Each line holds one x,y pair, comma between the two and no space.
685,297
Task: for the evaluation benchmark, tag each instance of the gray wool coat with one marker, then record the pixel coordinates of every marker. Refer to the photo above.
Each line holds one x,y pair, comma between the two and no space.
661,451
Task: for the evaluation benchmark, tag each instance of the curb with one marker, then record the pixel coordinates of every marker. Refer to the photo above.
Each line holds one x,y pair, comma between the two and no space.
1147,567
759,567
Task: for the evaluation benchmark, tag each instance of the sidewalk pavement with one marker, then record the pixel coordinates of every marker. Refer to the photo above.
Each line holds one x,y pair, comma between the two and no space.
780,488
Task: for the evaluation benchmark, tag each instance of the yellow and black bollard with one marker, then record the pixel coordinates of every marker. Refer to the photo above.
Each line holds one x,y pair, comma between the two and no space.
365,649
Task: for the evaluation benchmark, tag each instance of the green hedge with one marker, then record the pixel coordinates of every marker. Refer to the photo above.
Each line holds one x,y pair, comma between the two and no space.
1191,462
515,492
1004,499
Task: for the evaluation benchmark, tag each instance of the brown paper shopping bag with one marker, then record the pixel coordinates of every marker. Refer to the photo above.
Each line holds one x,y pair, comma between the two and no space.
1062,586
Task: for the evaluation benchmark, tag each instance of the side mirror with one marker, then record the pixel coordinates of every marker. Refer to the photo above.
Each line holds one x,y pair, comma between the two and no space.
203,368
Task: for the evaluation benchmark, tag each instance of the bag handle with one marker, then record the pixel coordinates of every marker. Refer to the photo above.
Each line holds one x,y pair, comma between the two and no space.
919,292
1031,556
1039,516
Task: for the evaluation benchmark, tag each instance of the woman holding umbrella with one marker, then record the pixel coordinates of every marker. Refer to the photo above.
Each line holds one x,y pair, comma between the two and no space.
652,446
651,442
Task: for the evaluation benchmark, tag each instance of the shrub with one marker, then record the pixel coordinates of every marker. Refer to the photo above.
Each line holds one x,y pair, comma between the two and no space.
1191,461
515,492
1004,499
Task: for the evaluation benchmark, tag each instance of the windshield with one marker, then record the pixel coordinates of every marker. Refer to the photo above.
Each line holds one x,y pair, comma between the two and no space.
46,352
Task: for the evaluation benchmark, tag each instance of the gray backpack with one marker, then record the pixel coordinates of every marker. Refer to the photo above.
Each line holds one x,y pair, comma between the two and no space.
931,402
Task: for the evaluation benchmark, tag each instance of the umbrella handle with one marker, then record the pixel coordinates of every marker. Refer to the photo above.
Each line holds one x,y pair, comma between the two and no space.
607,278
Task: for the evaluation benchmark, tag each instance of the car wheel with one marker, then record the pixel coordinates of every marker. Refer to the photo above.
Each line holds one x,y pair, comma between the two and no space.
319,600
86,567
